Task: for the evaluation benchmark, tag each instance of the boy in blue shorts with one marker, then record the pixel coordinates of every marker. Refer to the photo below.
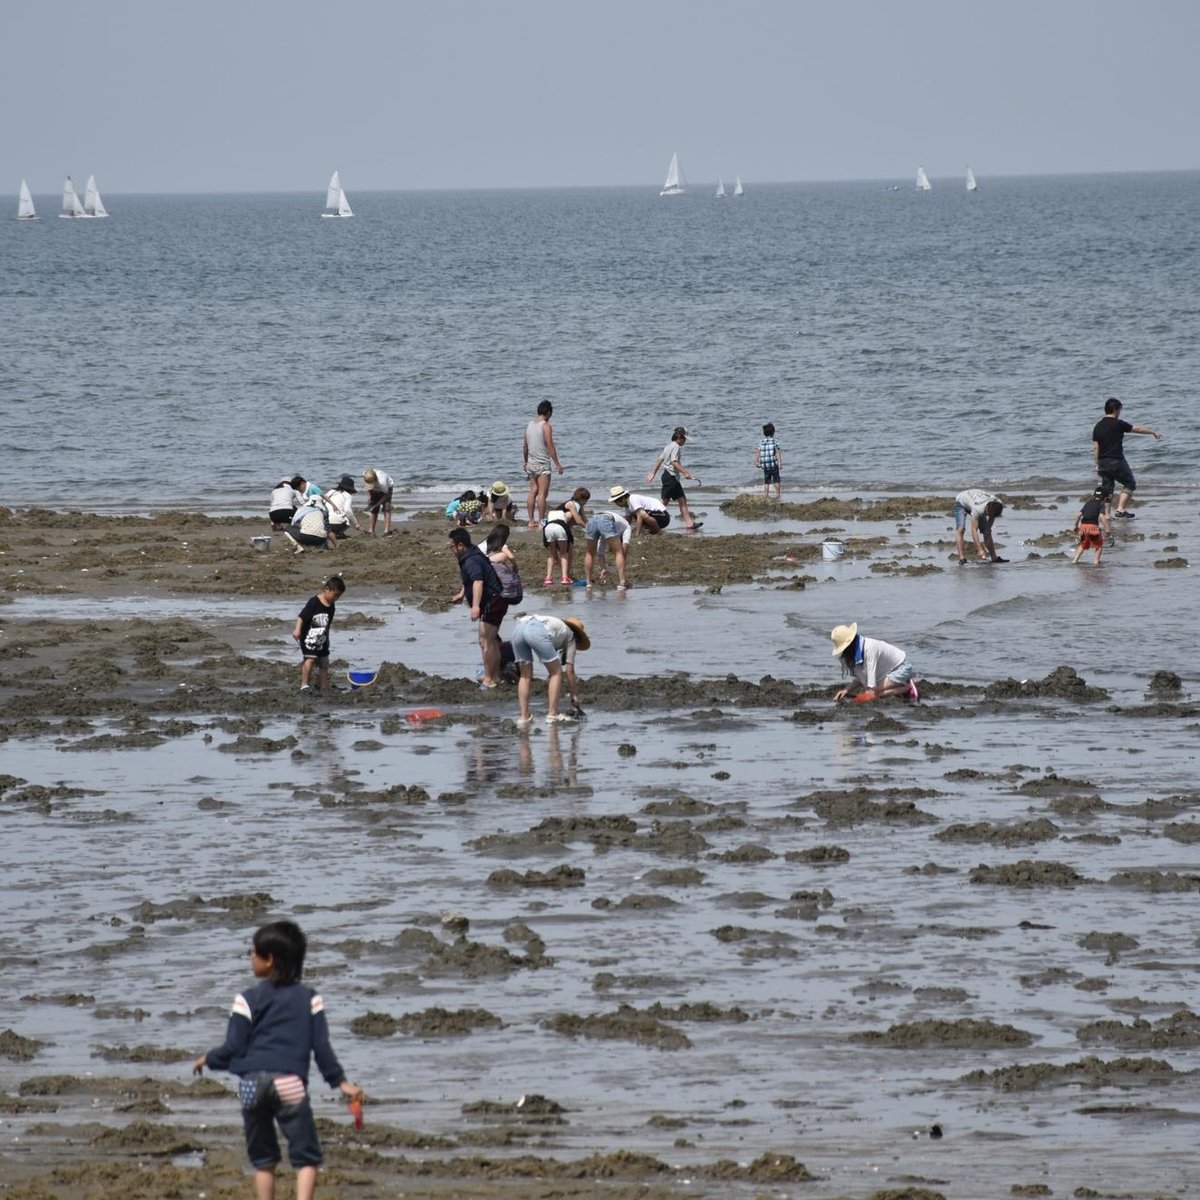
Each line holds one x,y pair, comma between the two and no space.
769,456
274,1030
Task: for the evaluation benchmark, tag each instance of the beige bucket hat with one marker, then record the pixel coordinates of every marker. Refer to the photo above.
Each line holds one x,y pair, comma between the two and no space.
842,636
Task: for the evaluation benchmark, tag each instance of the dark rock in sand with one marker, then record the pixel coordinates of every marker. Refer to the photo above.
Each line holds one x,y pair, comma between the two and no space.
841,810
643,902
1063,683
1028,873
626,749
1165,683
818,855
1170,563
1178,1031
429,1023
142,1054
1024,833
1156,881
960,1033
18,1048
562,876
626,1024
1086,1072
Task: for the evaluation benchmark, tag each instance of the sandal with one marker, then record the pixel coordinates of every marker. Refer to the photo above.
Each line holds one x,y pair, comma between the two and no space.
548,581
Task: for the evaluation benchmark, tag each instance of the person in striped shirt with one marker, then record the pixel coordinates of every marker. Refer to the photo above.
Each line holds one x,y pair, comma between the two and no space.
274,1029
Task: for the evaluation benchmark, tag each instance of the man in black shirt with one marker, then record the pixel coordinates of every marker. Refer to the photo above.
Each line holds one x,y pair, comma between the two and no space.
481,592
1108,453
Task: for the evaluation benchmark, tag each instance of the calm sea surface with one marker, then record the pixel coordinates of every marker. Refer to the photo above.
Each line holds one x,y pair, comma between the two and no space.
202,347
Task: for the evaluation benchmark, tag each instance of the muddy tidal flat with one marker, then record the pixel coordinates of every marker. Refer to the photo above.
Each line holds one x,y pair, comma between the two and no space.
719,938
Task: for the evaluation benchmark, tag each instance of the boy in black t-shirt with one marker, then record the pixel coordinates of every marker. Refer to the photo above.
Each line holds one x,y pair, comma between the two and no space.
1087,525
312,631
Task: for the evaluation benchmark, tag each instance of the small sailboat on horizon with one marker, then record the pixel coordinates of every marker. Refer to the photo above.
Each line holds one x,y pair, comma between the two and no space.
972,183
675,184
93,206
923,184
720,190
738,190
25,209
336,204
71,208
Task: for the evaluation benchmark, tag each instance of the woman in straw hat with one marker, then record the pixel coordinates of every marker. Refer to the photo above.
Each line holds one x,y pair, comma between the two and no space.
500,506
553,642
879,668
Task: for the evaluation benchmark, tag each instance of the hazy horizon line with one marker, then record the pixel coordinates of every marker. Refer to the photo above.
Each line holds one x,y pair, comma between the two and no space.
649,186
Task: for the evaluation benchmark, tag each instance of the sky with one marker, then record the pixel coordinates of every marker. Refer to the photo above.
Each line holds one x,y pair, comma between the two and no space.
265,95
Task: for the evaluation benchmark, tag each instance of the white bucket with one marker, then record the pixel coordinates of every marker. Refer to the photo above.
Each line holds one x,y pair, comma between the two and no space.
832,549
261,543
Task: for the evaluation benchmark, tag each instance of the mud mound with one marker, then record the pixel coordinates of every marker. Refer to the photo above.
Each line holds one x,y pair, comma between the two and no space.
965,1032
1086,1072
529,1110
1029,874
562,876
747,507
429,1023
1063,683
1026,833
766,1168
627,1024
18,1048
1180,1030
143,1054
1165,683
857,806
1156,881
818,855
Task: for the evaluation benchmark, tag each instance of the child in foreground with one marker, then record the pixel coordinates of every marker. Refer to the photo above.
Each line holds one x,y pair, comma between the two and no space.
274,1029
1087,525
311,630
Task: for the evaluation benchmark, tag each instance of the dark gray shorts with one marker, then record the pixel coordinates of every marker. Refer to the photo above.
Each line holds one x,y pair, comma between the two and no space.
295,1121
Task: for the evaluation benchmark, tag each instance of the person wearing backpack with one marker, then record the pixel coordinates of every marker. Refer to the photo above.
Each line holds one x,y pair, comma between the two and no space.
505,563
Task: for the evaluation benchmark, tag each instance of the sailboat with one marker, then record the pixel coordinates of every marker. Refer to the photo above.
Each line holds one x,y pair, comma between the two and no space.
336,204
675,184
70,205
93,206
972,186
738,190
25,209
923,184
720,189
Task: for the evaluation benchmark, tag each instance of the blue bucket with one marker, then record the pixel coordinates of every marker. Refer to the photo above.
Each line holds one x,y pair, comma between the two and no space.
361,679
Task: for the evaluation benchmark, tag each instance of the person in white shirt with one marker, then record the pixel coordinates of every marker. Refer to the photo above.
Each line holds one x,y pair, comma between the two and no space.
879,668
672,468
286,496
340,502
643,513
553,642
379,497
982,509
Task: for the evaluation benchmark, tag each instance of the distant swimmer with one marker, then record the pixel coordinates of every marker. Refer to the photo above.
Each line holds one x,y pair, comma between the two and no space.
879,668
1108,453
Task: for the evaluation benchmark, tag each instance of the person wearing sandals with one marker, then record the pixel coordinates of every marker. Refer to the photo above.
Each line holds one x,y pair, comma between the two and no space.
554,643
1108,453
879,668
611,530
672,468
557,535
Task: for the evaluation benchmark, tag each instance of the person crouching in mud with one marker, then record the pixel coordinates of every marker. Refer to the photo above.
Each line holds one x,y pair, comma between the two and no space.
879,668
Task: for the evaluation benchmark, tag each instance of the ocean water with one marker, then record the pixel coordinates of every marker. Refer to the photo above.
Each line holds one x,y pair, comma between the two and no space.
196,348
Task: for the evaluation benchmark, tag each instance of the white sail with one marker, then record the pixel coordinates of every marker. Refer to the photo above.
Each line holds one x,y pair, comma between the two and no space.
335,199
720,189
675,184
738,190
70,205
972,186
923,184
25,209
92,204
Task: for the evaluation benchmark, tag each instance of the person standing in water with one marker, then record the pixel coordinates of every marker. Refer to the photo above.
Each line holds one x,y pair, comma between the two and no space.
672,468
1108,453
539,455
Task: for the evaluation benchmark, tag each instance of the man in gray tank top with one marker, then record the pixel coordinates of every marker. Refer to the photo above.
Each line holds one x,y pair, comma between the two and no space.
539,456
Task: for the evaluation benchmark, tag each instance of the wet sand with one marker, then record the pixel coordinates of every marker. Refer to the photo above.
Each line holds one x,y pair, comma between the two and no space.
725,939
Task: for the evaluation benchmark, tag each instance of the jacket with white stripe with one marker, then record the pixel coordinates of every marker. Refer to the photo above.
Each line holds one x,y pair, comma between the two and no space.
277,1029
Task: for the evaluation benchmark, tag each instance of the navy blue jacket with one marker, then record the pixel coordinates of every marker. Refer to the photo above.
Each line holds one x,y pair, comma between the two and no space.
277,1029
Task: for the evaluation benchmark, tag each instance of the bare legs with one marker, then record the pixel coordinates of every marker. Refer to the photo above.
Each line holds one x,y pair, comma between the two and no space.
539,490
553,689
264,1183
489,650
589,558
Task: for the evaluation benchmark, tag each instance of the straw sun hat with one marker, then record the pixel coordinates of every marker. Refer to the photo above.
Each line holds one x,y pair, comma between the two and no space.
842,636
575,625
499,488
617,494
